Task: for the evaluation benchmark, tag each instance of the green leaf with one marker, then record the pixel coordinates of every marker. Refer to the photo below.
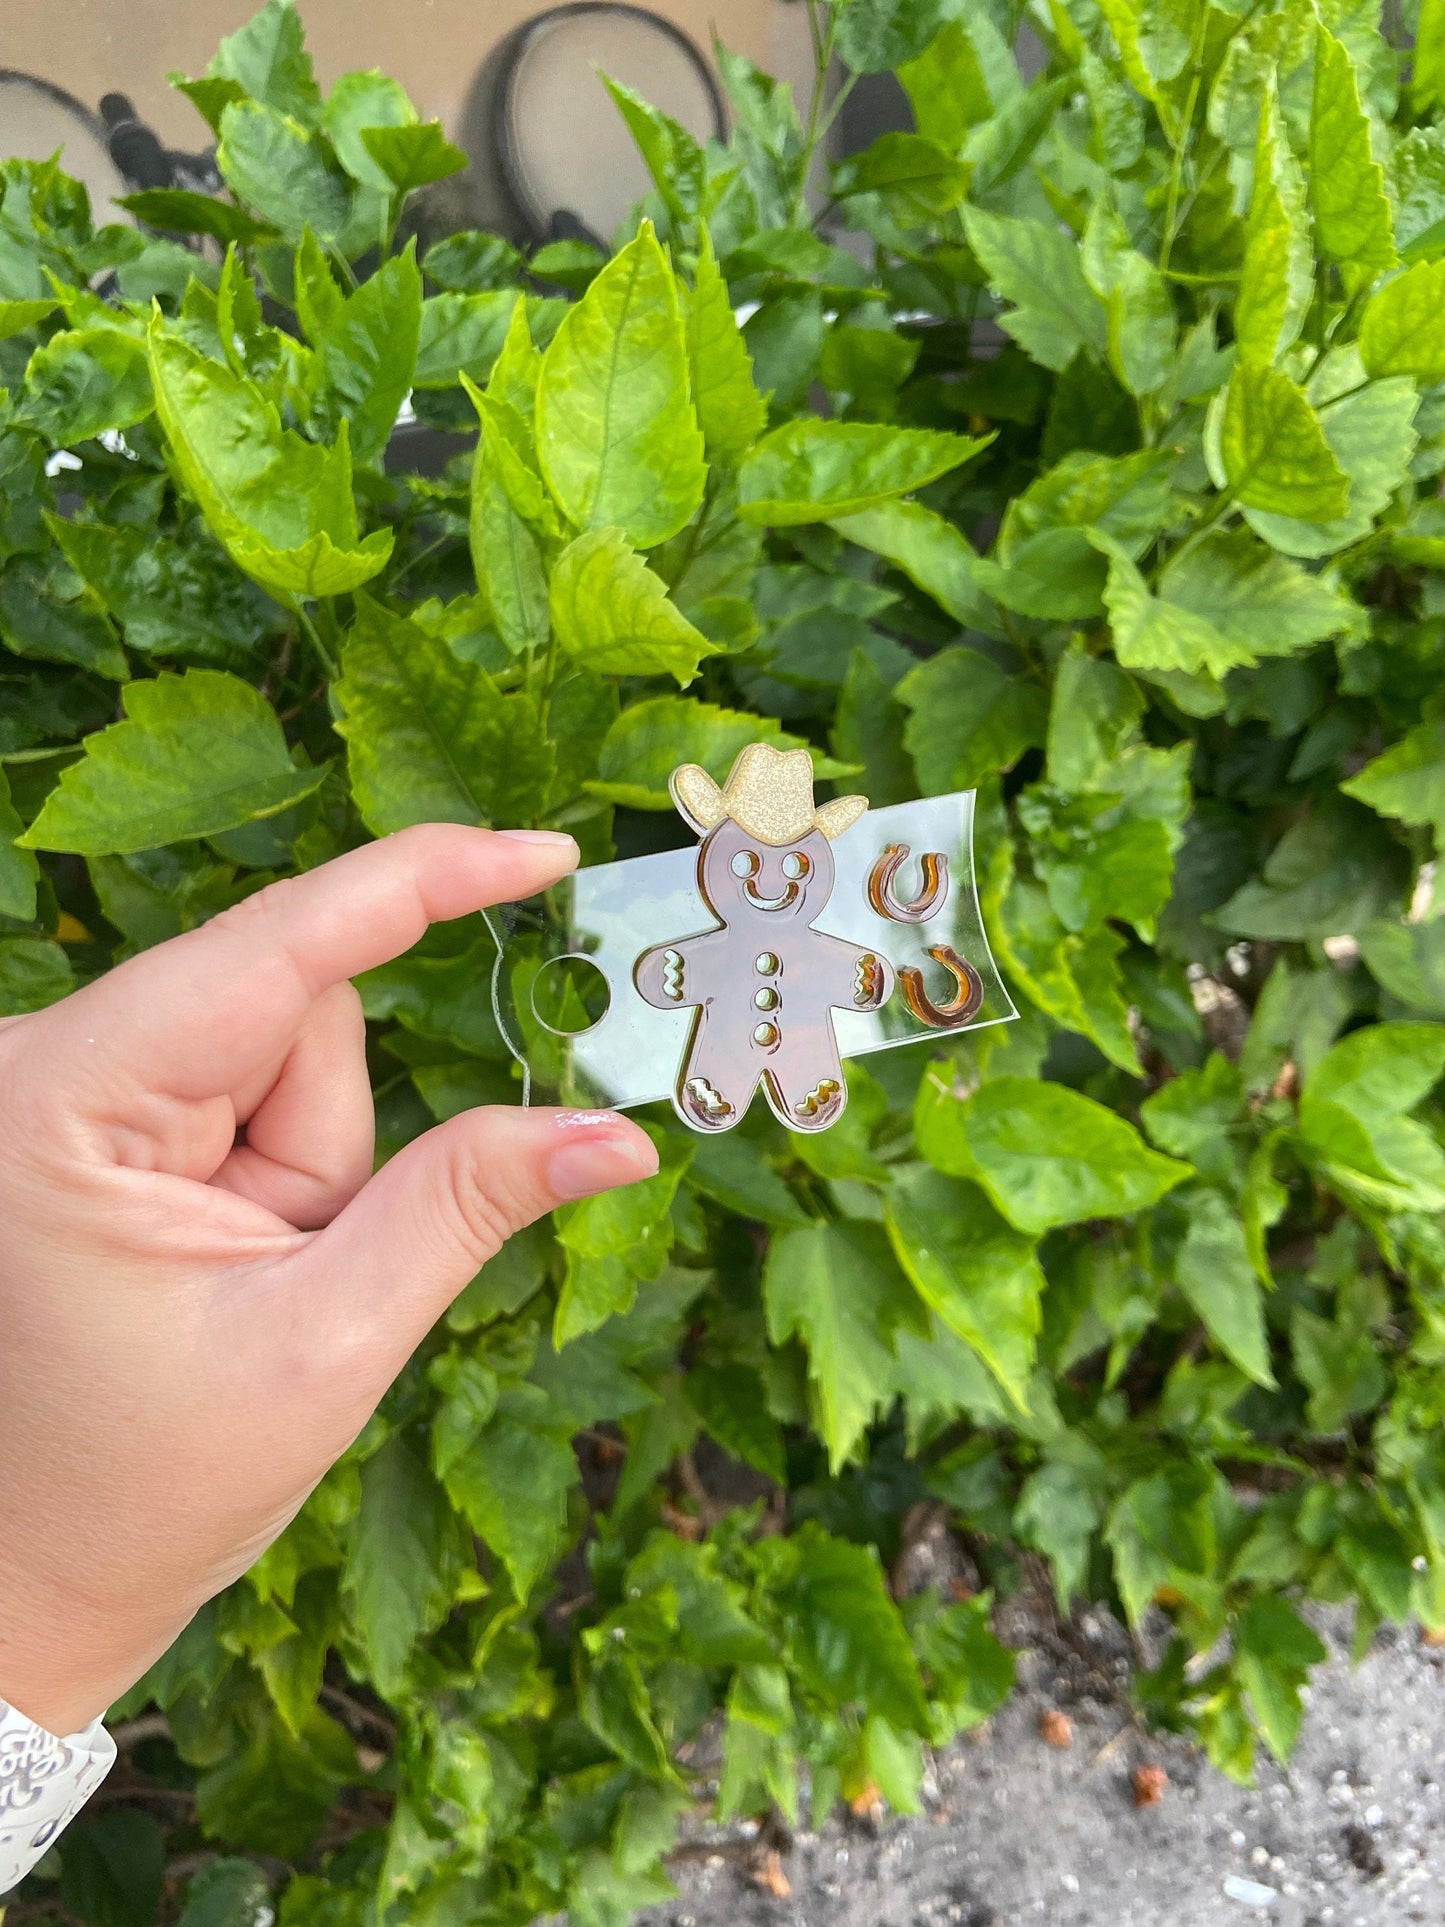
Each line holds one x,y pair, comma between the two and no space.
357,104
1256,600
1153,40
174,597
34,972
46,613
617,435
17,316
1093,711
1058,1514
836,1288
1347,184
1216,1276
112,1869
1055,313
1331,872
182,212
947,87
612,1242
1368,426
277,166
272,1791
267,59
196,754
1354,1115
1142,326
366,353
402,1564
810,470
848,1637
229,1893
1152,632
613,614
413,157
1046,1155
282,506
462,334
868,364
513,1485
914,178
1408,959
1408,781
1403,330
1274,1650
674,159
1098,859
730,411
969,719
19,869
973,1269
731,1401
1191,1115
879,37
84,381
930,551
506,554
650,738
1272,451
430,737
1277,280
471,261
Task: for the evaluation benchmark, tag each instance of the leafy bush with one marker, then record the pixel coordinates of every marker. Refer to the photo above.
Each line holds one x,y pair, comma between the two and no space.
1151,1283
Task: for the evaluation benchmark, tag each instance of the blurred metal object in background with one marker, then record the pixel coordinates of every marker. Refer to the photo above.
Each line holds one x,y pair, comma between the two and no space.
569,168
37,118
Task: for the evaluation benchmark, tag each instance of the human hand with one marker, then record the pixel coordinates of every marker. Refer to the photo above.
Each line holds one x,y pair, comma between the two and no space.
203,1290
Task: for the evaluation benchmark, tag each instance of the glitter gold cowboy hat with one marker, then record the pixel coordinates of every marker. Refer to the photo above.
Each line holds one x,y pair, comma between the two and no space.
769,793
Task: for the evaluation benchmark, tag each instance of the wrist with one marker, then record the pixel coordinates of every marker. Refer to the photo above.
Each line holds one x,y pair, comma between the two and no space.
61,1671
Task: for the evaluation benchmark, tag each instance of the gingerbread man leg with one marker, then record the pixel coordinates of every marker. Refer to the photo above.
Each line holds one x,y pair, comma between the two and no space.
719,1073
804,1079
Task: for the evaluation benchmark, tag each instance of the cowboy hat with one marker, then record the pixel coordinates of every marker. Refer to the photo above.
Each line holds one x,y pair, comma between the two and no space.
769,793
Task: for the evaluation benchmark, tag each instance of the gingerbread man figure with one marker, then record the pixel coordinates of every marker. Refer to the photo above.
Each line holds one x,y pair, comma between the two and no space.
766,983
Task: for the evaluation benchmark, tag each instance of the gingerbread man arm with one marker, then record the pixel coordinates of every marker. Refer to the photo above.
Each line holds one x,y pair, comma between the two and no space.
848,976
673,976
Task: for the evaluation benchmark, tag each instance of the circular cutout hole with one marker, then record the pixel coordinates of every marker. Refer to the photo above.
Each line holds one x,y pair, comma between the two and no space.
795,865
766,998
766,965
746,864
570,995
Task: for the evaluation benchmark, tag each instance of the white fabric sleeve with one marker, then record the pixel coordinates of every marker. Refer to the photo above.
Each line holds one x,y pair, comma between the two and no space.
44,1782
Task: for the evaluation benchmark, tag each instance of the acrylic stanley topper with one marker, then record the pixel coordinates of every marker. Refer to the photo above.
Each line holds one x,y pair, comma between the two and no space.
766,983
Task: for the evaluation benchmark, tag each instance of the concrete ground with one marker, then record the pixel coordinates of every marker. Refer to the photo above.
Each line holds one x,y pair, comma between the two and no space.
1018,1832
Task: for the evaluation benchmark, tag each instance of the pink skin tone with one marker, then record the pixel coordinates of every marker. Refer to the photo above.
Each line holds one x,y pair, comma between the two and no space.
204,1291
740,1037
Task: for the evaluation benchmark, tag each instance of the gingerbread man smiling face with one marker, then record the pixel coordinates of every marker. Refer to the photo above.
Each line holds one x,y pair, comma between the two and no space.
764,984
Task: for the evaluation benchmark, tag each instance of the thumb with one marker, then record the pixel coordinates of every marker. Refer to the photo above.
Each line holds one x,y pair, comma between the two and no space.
386,1268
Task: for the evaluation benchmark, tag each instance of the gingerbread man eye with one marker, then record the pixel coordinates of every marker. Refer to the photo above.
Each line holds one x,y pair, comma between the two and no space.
795,866
746,863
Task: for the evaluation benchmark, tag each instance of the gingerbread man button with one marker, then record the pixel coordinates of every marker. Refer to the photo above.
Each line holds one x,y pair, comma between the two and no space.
766,983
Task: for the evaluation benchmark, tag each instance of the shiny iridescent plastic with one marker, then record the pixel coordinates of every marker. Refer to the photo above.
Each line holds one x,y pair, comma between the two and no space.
735,966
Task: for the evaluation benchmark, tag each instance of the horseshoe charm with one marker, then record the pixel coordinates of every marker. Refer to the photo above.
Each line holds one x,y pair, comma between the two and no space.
930,898
962,1008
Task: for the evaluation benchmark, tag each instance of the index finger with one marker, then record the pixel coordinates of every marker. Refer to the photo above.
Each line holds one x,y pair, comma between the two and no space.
198,1015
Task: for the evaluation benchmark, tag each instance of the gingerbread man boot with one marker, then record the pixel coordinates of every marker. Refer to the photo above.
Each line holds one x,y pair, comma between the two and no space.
765,983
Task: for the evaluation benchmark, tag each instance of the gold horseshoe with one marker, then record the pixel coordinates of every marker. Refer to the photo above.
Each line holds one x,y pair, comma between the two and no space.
964,1007
929,899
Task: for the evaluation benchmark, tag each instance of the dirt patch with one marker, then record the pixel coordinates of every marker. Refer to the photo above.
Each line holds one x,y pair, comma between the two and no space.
1017,1831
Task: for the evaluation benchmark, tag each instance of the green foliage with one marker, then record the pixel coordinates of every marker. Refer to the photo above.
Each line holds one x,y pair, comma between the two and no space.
1164,579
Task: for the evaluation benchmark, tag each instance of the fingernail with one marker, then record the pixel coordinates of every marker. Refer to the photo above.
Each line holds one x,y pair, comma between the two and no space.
588,1165
554,839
